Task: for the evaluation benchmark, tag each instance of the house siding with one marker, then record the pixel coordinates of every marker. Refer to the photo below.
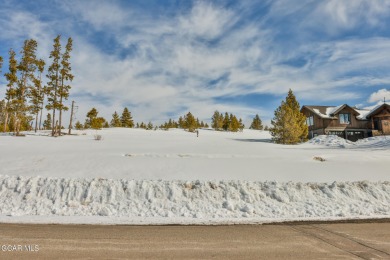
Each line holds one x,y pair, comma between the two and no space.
356,129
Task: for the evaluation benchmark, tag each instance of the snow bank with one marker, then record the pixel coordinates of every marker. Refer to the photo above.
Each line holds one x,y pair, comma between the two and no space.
330,140
173,202
335,141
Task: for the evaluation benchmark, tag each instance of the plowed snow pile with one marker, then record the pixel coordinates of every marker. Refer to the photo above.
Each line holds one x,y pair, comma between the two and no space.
136,176
204,202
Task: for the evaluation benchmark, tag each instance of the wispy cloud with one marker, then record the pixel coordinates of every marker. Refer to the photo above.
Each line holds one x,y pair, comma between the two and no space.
161,64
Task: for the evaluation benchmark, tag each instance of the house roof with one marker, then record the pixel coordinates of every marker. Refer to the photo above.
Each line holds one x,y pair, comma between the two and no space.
376,109
329,112
321,111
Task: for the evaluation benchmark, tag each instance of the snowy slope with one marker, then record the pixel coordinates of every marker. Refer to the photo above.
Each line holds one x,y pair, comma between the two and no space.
143,177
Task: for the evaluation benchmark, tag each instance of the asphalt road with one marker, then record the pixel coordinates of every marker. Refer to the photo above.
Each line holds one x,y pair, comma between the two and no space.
284,241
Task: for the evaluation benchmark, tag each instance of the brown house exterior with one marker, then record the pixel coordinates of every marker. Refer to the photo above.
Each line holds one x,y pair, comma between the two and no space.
347,122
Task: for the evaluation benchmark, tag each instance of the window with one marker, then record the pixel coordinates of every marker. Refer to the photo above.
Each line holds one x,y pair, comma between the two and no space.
345,118
310,121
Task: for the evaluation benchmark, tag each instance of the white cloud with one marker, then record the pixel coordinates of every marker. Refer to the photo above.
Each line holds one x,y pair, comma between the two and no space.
335,17
379,96
173,59
206,20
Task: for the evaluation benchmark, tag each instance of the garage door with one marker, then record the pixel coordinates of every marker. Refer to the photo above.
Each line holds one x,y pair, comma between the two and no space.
355,135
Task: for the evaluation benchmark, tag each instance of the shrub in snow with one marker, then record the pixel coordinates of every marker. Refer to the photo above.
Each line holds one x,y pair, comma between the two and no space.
317,158
98,137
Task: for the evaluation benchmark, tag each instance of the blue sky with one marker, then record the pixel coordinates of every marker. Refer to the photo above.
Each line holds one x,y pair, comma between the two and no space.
164,58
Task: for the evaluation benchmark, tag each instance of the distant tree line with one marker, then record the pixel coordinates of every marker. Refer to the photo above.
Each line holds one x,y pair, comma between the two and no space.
26,93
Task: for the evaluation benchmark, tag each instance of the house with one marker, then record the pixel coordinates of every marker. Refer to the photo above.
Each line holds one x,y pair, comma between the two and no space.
347,122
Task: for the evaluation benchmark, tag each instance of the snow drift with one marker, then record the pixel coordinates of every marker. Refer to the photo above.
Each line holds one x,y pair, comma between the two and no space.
189,202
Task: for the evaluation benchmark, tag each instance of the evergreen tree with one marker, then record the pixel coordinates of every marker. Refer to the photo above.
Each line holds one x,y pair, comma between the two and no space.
36,93
181,123
26,68
289,124
65,76
98,123
78,125
10,94
190,122
126,119
266,128
149,126
234,123
242,126
226,122
116,121
206,125
137,125
217,121
256,123
54,80
93,121
47,123
106,125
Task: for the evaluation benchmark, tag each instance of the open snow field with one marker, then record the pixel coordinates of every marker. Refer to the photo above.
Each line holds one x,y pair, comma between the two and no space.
159,177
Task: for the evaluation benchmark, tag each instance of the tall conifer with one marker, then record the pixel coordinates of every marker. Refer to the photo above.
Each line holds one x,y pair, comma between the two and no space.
26,68
289,124
217,121
54,80
256,123
116,121
10,94
36,93
126,118
66,76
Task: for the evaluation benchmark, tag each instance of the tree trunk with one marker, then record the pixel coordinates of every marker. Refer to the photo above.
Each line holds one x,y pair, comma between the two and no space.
36,121
60,116
5,121
40,118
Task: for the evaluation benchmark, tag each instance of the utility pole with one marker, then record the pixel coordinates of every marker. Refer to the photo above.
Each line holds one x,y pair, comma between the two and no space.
71,117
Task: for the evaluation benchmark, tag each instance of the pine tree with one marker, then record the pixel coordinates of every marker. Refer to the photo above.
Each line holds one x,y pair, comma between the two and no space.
226,122
256,123
242,126
106,125
190,122
54,80
26,67
217,121
91,116
10,95
37,93
65,76
149,126
78,125
47,123
181,123
289,124
115,121
234,123
126,119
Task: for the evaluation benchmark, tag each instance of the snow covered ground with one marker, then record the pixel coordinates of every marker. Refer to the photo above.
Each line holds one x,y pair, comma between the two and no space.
158,177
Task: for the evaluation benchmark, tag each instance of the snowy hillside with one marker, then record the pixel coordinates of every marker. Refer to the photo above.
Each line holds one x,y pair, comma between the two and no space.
142,177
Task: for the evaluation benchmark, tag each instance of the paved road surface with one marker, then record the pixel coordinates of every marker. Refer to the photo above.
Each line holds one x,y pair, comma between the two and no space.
291,241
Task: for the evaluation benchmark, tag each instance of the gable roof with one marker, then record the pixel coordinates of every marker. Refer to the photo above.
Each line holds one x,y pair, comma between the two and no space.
330,112
376,109
321,111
